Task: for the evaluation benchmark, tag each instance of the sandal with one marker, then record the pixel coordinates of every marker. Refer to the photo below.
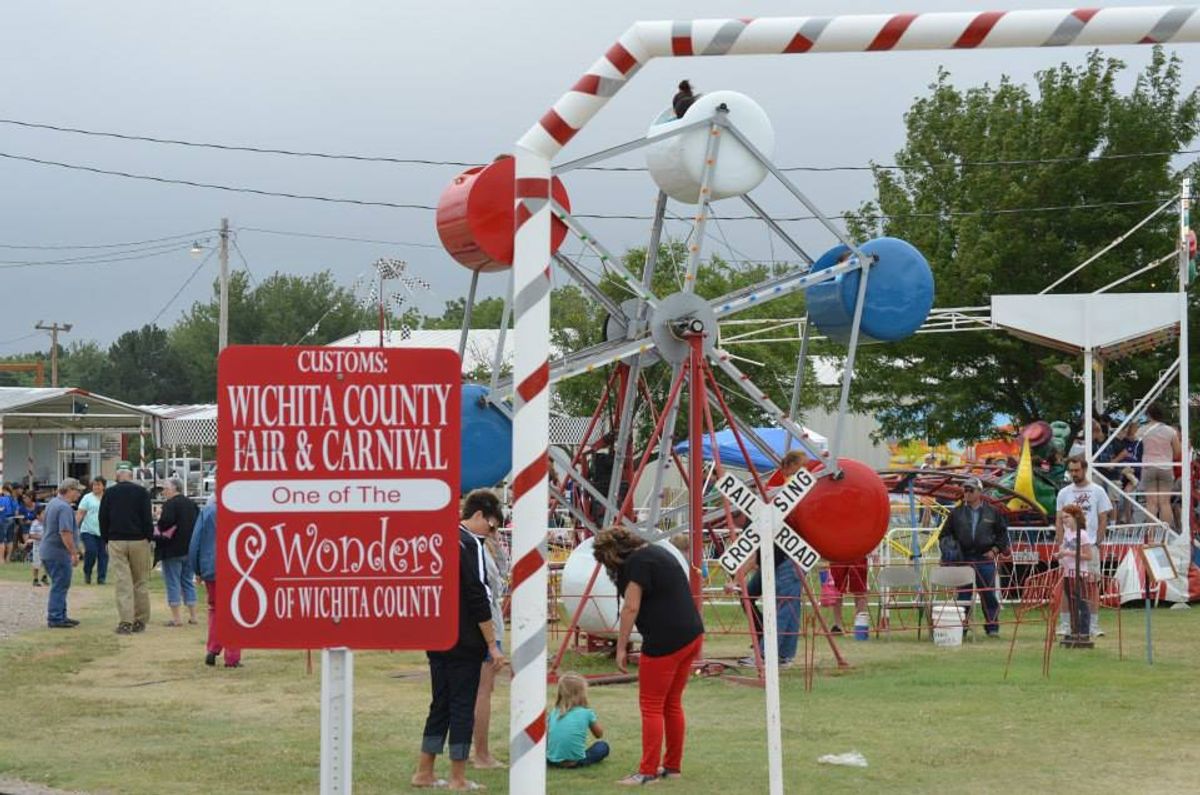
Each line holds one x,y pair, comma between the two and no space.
495,764
437,783
637,780
469,786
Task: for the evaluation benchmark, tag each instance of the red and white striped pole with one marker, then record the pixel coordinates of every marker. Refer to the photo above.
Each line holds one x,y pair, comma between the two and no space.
531,438
1083,27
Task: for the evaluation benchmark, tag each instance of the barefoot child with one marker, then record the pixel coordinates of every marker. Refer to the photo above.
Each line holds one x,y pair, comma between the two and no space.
570,722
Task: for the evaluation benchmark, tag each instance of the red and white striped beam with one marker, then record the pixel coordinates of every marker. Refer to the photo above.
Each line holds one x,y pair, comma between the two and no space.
1080,27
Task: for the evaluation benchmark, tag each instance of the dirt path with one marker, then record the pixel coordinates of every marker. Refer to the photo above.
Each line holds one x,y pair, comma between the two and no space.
11,786
23,607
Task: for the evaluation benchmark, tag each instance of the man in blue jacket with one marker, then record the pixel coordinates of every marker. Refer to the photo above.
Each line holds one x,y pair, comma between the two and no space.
454,673
202,552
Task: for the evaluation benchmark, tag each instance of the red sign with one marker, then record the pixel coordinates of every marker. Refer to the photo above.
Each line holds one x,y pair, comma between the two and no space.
338,480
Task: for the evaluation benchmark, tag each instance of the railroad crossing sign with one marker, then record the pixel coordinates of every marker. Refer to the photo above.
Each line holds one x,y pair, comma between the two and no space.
767,517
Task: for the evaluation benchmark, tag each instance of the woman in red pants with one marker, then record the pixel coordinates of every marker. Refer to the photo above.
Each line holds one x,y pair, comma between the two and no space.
657,599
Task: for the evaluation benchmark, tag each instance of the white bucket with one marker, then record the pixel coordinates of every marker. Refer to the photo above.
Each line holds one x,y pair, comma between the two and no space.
947,624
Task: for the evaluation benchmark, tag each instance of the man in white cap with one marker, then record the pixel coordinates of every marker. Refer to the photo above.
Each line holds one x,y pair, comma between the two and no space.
975,534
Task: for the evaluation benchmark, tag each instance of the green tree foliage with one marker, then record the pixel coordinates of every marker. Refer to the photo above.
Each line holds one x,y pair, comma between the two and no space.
144,368
281,310
486,313
86,365
966,160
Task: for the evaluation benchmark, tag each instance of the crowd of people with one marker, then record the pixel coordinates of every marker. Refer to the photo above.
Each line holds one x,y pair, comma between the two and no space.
118,537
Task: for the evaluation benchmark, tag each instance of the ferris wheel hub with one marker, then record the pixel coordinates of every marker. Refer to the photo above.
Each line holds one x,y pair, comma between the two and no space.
678,317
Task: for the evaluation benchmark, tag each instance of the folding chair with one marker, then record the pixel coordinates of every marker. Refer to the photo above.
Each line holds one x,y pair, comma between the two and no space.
949,579
894,582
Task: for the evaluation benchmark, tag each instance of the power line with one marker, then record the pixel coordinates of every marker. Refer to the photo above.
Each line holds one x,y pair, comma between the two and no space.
21,338
618,169
897,216
99,256
238,250
212,186
108,261
183,286
237,147
189,235
1038,161
605,216
288,233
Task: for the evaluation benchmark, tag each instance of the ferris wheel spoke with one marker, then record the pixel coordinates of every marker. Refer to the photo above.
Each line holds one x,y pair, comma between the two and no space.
722,360
590,287
608,260
777,287
776,228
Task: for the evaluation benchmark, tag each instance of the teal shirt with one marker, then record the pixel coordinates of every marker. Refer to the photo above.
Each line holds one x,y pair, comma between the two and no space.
91,519
567,738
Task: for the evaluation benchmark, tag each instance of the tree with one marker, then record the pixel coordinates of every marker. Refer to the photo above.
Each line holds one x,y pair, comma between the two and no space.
281,310
487,313
972,155
146,369
86,365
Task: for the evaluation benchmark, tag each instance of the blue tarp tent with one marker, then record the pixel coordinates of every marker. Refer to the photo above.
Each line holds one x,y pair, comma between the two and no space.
731,454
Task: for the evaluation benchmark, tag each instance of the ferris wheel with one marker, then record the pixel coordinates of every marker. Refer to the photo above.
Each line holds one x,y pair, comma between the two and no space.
879,290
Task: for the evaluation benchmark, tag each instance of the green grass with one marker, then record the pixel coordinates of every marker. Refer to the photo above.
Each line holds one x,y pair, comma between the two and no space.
92,711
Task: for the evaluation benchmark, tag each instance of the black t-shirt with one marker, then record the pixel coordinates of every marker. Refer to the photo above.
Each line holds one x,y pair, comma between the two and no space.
667,619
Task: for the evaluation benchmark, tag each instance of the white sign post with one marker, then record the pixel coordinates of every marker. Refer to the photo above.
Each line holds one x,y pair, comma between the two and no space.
766,530
337,720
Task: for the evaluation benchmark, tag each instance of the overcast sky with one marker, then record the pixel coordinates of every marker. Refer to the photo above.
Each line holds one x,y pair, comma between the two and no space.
447,80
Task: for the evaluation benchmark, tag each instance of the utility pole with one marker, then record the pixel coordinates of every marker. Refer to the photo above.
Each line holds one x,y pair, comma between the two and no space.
223,318
53,328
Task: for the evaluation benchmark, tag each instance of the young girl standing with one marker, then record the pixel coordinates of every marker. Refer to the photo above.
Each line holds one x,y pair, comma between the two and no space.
1074,551
570,721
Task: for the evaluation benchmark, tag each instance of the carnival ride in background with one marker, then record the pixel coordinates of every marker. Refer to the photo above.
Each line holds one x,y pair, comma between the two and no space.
880,290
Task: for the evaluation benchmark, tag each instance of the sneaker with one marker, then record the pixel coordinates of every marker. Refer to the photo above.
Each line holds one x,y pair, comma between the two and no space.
1062,629
233,665
124,628
139,626
637,780
210,659
747,662
1097,632
73,622
836,630
87,580
60,625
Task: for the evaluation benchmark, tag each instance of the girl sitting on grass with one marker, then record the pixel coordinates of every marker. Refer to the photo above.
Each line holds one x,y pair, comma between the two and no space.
570,722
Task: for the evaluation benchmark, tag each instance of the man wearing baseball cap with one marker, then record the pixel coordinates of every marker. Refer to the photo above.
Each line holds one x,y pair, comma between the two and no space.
975,534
